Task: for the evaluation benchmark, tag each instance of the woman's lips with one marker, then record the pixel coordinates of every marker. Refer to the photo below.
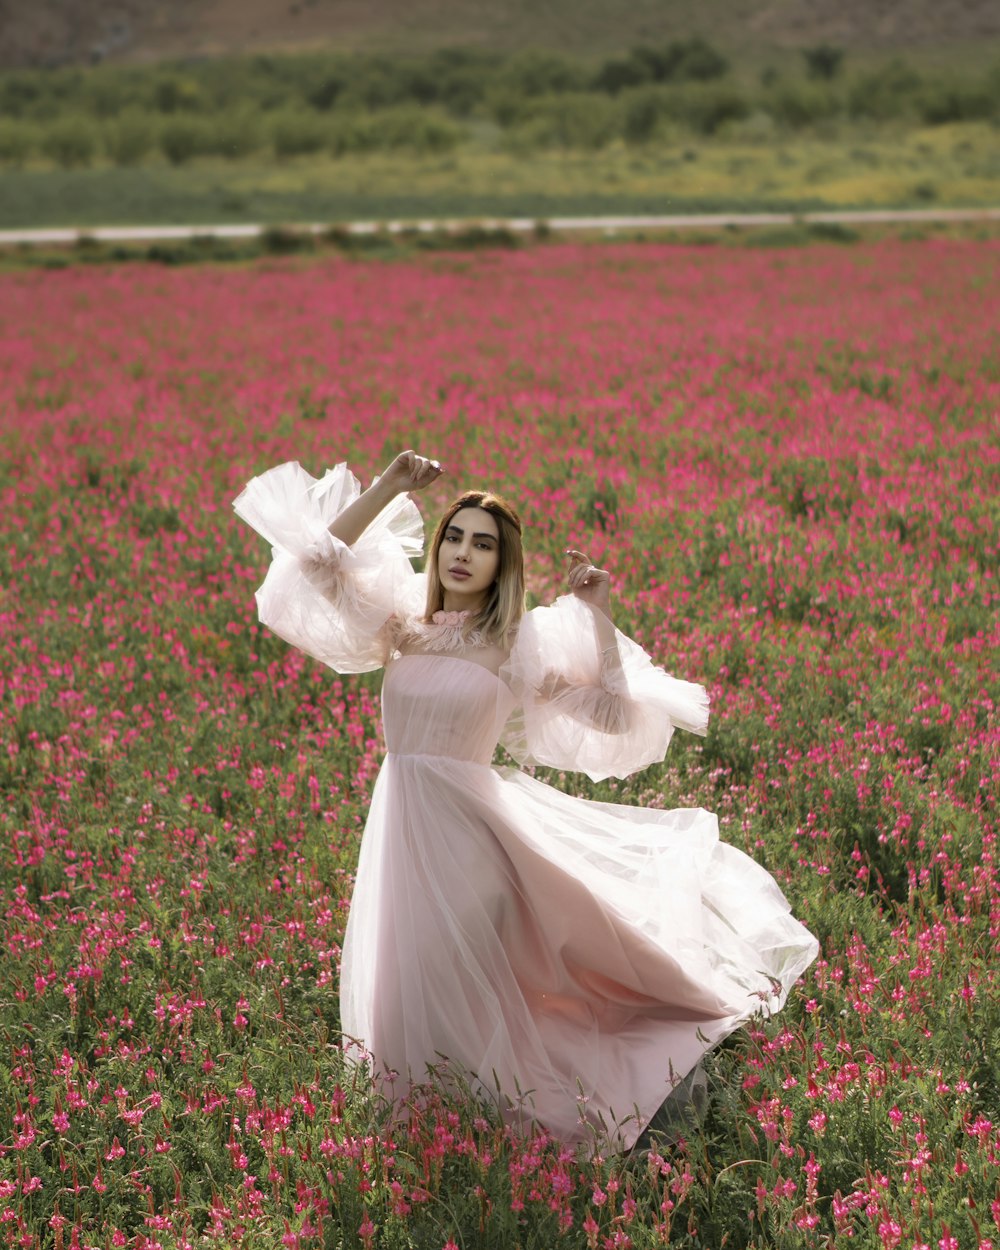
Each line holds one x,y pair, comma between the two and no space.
459,572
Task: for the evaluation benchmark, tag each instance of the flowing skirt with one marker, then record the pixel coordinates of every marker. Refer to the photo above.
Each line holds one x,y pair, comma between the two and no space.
578,957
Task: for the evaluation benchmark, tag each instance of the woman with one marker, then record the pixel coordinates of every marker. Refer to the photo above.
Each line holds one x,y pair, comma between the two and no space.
579,958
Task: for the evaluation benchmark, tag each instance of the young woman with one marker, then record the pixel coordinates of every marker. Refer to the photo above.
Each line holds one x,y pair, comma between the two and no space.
577,957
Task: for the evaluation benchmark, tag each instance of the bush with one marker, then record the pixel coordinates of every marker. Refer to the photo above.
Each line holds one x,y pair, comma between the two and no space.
177,95
286,241
461,77
694,61
579,120
801,104
684,60
348,132
20,91
622,72
404,128
69,141
298,132
823,61
419,130
887,93
706,107
234,133
534,73
942,102
376,83
105,95
644,109
17,141
130,138
182,138
325,93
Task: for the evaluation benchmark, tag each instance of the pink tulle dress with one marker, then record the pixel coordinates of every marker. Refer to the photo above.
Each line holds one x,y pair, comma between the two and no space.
578,957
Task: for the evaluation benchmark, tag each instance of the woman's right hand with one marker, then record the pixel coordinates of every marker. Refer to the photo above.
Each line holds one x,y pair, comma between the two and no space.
412,472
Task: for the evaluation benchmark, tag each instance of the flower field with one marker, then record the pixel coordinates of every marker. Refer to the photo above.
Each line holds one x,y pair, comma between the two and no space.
788,459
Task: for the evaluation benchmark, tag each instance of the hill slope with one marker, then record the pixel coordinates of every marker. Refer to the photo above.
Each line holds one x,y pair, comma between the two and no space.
60,32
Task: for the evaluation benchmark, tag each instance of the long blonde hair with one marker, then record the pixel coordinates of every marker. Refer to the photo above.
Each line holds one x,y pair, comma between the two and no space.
504,607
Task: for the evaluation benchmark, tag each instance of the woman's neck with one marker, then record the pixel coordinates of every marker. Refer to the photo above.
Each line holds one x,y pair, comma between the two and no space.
454,601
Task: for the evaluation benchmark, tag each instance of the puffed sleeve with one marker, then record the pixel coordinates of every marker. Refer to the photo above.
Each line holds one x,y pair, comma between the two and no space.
336,603
580,709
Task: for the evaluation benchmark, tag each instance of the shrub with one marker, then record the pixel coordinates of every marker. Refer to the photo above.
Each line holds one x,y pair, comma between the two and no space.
942,102
643,111
69,141
415,129
285,241
128,139
580,120
297,132
17,141
182,138
706,107
462,77
621,72
422,131
801,104
19,93
106,94
506,108
694,61
376,83
885,94
327,91
536,73
684,60
234,133
823,61
176,95
347,132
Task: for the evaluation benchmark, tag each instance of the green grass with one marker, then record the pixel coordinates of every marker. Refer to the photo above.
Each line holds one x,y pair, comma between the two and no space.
744,170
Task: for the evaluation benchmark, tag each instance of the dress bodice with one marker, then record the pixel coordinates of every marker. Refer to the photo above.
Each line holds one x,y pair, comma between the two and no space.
443,705
564,699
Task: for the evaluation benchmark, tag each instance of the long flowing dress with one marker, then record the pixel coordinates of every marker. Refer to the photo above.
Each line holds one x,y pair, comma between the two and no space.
578,957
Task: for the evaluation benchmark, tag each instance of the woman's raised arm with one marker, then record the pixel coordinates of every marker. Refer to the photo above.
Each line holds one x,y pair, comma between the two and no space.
406,473
593,587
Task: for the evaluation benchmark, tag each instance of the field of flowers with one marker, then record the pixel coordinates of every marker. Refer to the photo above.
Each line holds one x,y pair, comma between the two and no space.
789,461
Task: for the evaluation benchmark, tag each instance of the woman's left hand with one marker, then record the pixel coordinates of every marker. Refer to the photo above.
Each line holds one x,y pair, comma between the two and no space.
588,583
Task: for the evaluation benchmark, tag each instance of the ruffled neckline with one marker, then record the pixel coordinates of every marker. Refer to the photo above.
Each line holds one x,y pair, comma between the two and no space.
446,631
450,619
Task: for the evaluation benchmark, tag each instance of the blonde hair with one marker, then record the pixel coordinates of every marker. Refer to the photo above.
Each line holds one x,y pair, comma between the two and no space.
498,618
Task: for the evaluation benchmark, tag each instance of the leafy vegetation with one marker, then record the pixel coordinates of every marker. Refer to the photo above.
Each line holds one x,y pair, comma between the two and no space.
787,462
290,105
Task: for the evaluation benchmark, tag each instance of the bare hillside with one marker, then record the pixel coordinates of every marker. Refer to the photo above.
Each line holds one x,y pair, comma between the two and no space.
61,32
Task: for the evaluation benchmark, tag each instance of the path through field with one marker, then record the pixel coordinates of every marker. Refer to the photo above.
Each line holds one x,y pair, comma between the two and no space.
560,225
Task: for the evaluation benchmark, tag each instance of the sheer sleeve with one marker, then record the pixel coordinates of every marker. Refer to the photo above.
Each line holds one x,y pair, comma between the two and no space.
336,603
583,710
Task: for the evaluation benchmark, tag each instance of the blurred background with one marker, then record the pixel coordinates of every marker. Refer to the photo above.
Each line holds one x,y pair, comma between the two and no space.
197,111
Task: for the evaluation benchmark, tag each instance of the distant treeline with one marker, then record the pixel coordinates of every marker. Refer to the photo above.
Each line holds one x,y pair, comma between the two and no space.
307,103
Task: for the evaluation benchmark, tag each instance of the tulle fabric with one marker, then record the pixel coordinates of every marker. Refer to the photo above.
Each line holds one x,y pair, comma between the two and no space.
578,957
332,601
574,959
578,708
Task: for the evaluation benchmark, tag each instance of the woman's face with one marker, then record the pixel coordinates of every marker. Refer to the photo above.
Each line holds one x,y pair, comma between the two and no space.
468,558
